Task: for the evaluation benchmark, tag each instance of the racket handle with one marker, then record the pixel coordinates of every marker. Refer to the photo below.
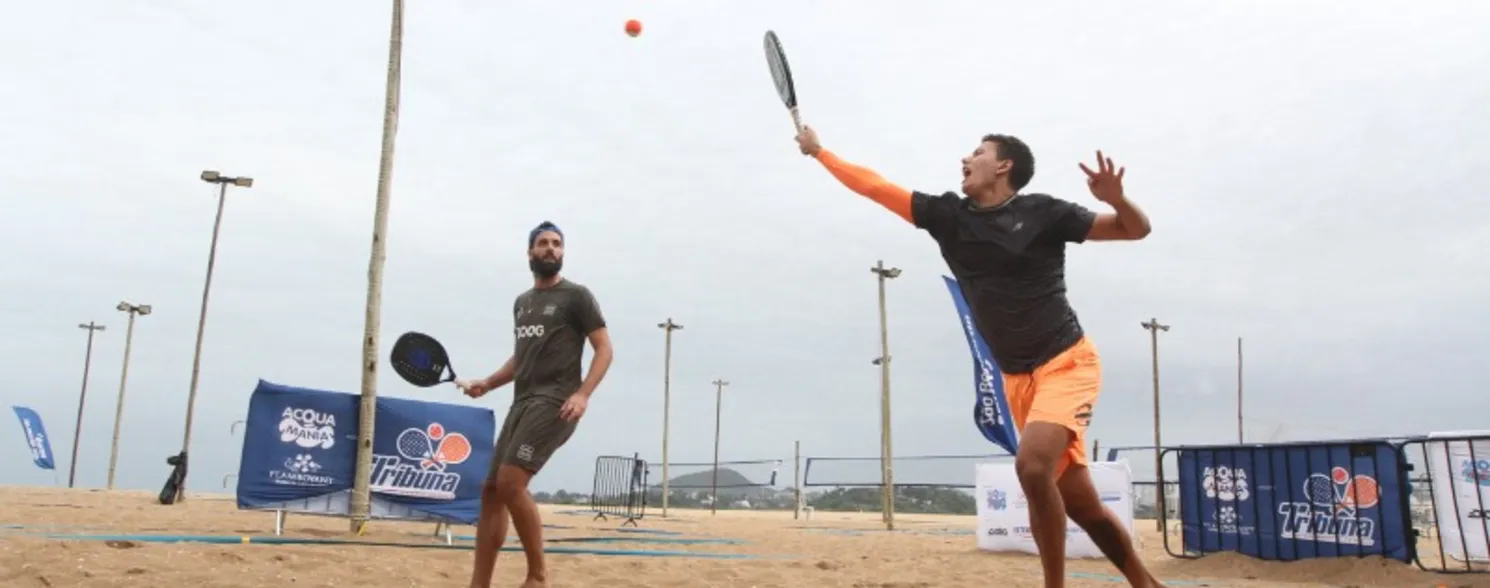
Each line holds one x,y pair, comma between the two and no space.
796,119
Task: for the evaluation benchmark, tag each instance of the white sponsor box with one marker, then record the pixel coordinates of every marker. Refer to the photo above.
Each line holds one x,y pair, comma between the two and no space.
1004,516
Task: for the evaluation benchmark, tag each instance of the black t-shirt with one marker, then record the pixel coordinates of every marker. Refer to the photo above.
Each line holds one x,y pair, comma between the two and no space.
1011,263
551,326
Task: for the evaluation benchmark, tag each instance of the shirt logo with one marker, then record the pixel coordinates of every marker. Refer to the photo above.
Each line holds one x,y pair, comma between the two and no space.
1084,415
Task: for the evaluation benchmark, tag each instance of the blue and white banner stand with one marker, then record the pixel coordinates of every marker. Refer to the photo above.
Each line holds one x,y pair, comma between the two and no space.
300,449
991,407
36,438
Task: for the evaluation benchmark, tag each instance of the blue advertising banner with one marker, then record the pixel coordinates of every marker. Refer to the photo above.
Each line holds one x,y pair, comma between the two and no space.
991,407
1290,502
432,457
297,443
428,457
36,438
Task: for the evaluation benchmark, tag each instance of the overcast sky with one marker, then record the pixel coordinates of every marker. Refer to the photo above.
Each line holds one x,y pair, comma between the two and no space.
1314,172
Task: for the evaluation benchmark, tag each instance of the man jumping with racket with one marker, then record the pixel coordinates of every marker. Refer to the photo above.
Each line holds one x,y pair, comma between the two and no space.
1007,251
552,322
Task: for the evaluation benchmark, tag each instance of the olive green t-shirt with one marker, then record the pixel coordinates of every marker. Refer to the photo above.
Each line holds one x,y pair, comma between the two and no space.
551,325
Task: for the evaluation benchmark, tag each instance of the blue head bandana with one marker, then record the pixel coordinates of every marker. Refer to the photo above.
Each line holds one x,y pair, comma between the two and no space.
543,227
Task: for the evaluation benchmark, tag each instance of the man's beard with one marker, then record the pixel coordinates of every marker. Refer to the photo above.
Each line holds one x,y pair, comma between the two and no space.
545,268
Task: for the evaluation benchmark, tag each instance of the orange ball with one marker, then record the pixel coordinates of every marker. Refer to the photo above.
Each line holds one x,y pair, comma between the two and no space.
633,27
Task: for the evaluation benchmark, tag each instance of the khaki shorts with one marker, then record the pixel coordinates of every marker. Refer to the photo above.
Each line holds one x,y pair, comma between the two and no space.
1062,391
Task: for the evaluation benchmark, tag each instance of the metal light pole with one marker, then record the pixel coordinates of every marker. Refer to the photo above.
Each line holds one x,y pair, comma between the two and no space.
129,332
714,485
667,371
887,458
797,479
361,506
1239,435
77,430
222,181
1154,327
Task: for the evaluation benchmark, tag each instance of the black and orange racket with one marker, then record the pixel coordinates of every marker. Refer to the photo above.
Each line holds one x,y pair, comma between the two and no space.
781,74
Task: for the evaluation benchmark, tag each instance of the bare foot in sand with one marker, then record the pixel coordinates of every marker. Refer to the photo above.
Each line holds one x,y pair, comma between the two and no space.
535,583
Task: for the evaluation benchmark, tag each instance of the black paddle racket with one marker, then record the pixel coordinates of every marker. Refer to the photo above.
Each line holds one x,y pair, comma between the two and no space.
781,74
421,360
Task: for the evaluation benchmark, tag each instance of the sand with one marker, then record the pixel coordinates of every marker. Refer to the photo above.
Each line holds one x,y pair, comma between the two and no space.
831,550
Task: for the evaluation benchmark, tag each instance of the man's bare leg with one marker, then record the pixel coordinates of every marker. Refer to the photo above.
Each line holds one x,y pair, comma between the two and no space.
491,532
1041,447
1084,506
512,485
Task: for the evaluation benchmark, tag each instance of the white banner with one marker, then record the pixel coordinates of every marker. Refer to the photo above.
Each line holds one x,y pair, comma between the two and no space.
1004,516
1461,481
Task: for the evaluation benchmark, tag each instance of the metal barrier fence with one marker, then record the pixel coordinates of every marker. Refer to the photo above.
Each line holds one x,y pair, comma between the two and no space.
1293,501
1146,498
1146,501
1448,504
620,488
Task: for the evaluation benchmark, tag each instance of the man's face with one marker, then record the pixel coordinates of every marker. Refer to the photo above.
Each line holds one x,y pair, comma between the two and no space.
546,256
981,170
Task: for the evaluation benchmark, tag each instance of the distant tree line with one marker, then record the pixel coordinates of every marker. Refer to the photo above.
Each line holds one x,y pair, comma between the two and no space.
907,500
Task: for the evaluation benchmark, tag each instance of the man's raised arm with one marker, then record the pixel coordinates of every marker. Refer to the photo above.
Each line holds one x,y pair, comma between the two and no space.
860,179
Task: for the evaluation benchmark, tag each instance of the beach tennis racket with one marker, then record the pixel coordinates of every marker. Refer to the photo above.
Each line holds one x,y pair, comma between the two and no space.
421,360
781,75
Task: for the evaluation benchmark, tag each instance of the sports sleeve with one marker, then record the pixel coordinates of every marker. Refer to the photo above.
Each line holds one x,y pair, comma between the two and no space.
869,184
1069,222
586,313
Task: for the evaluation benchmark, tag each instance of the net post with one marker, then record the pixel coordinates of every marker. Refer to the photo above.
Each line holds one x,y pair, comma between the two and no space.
796,479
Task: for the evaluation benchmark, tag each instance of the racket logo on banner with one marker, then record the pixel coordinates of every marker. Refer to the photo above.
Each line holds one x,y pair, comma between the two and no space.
1332,509
419,468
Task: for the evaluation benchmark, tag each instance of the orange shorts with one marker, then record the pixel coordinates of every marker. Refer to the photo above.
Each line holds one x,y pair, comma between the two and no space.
1061,391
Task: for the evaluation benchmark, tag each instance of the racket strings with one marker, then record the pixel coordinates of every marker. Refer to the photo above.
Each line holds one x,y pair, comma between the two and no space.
412,444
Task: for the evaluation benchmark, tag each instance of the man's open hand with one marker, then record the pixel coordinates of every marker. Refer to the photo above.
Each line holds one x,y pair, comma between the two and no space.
1107,182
